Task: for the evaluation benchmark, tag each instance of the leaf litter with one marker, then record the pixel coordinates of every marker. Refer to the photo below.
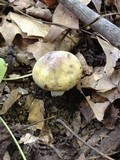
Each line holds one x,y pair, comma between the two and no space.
95,98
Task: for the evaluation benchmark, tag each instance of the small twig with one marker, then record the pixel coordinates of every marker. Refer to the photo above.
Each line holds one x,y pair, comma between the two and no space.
101,16
96,157
32,124
56,151
13,137
80,139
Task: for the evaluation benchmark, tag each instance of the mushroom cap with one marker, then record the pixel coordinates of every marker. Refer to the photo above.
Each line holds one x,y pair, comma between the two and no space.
57,71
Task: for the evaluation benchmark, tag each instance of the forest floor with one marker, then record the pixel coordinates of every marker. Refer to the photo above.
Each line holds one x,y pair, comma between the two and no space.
39,121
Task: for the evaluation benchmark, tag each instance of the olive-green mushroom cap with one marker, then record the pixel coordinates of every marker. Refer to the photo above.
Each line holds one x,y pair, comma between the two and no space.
57,71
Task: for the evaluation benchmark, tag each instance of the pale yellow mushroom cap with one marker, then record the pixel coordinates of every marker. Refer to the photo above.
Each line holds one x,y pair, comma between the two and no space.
57,71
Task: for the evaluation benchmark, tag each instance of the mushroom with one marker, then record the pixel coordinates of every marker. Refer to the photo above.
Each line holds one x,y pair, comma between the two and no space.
57,71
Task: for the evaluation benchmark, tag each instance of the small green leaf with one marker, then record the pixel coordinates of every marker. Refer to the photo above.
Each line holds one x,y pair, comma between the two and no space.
3,69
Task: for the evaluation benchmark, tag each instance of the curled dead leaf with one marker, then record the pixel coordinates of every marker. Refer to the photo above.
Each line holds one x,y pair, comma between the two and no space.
98,81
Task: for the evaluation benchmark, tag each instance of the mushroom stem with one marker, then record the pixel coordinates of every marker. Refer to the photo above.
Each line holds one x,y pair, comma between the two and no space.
57,93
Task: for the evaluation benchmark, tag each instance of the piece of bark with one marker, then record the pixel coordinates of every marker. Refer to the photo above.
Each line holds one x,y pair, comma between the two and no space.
107,29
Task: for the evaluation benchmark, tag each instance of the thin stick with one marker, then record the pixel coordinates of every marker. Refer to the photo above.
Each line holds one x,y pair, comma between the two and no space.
32,124
101,16
80,139
13,137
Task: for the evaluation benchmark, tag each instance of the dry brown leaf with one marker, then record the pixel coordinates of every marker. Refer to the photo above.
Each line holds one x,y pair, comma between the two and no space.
46,135
81,157
96,98
111,95
97,81
86,2
114,93
6,156
12,98
111,117
36,113
112,55
62,16
40,48
53,33
86,111
97,4
98,108
28,138
6,29
39,12
22,42
29,25
66,43
23,58
65,17
117,4
29,100
22,4
115,77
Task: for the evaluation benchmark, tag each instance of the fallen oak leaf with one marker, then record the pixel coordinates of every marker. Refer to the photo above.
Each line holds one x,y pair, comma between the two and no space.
98,81
112,55
46,135
14,95
36,113
86,2
62,16
39,12
98,108
86,111
114,93
12,98
97,4
36,28
65,17
111,117
6,29
38,49
22,4
111,95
